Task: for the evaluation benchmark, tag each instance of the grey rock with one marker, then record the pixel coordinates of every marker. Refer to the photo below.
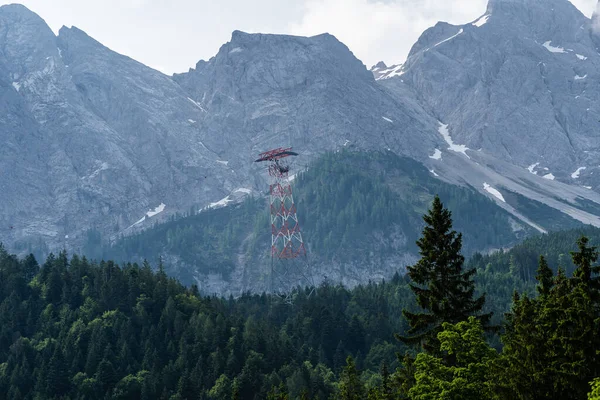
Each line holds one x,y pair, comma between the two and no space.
518,83
114,145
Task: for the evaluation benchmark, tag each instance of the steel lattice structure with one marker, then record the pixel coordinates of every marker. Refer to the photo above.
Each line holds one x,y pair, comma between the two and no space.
286,238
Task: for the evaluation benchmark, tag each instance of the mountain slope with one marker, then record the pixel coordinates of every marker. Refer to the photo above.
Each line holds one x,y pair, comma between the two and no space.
101,146
360,215
518,83
120,143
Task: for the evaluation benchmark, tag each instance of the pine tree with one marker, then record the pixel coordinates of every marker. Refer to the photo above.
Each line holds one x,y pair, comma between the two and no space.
57,380
544,277
551,345
468,378
351,387
441,286
278,393
404,377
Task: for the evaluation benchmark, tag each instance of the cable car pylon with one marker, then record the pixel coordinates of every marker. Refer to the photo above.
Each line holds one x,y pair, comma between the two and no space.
287,243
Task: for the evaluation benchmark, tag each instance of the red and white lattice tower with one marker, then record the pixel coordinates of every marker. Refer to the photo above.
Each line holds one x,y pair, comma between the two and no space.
286,237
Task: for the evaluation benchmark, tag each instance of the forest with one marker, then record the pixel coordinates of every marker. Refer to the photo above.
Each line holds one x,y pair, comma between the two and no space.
358,195
519,324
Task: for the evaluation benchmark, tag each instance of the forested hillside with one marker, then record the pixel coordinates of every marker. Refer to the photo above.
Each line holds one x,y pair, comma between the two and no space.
75,329
359,211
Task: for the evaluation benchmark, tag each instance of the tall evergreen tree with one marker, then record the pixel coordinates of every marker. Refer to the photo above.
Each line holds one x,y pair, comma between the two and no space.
551,346
442,288
351,387
544,277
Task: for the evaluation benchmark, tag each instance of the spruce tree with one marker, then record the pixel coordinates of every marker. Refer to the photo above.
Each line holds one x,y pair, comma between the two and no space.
442,288
544,277
351,387
551,345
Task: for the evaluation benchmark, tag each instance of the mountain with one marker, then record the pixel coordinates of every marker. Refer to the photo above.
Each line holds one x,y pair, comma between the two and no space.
100,147
517,87
517,83
93,142
360,214
111,142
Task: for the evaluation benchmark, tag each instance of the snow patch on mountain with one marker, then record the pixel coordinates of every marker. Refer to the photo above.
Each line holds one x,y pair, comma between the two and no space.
223,162
103,167
390,72
138,222
235,50
494,192
191,121
149,214
196,104
243,190
532,167
481,21
553,49
16,85
437,155
582,58
575,174
221,203
578,78
433,172
459,148
156,211
549,176
450,38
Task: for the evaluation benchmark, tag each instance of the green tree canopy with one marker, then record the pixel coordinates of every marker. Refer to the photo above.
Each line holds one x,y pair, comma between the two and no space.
442,288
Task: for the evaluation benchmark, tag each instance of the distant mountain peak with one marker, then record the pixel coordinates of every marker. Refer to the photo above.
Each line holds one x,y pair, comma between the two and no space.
18,14
74,33
16,8
378,66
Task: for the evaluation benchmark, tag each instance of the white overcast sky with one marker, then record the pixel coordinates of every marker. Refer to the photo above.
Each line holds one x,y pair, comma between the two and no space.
172,35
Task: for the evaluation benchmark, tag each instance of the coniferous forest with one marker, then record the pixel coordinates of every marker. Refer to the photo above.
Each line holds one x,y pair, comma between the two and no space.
501,326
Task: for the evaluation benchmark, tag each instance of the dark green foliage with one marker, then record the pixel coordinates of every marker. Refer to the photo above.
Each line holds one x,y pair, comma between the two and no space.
467,378
205,240
75,329
348,202
595,393
442,288
501,273
351,387
84,330
552,346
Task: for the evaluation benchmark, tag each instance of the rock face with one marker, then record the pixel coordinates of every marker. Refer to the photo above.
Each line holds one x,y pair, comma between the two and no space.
506,104
264,91
518,83
96,139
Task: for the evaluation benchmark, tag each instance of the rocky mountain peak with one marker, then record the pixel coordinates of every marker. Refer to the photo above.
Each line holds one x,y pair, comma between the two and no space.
18,12
75,41
379,65
254,65
288,54
27,36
